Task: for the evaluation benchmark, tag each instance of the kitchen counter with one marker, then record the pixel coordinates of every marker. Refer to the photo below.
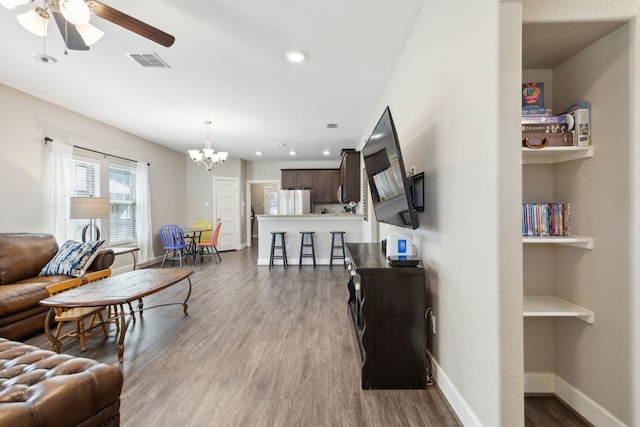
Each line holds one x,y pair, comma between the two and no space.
313,216
322,224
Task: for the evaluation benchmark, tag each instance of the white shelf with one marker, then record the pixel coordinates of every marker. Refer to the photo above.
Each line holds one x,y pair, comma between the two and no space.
575,241
548,306
551,155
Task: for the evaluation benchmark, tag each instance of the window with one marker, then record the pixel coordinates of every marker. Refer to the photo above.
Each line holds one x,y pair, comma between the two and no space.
85,182
96,177
122,192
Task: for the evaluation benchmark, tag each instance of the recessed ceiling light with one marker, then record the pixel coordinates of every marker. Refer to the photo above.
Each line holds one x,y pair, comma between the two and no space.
293,153
296,56
326,152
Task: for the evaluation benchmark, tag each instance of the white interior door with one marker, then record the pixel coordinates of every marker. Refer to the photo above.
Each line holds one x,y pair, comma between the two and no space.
226,209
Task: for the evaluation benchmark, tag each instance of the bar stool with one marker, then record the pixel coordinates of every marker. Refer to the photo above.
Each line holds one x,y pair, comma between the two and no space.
303,245
341,255
282,247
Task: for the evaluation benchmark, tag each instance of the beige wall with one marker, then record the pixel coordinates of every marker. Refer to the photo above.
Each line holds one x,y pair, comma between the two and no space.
444,94
26,120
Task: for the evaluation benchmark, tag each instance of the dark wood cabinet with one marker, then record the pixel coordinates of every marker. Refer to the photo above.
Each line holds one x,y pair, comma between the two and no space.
289,179
387,308
350,176
323,182
297,179
325,185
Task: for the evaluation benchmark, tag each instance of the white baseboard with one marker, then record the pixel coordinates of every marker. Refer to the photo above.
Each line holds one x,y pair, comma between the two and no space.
457,402
539,382
547,382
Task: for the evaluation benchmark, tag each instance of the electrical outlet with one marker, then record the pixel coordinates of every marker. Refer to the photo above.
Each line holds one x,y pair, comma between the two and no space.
432,319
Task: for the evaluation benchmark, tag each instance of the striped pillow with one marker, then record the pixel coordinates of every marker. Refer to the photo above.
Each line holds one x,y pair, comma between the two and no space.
72,259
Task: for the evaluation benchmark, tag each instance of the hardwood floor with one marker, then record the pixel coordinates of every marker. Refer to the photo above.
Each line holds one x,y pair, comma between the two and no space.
548,411
259,347
263,348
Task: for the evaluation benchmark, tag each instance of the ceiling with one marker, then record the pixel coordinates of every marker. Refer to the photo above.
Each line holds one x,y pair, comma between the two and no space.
228,66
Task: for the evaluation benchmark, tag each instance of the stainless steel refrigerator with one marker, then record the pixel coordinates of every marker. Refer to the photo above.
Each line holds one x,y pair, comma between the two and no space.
294,202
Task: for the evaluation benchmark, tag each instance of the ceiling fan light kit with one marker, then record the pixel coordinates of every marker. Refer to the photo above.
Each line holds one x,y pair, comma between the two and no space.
89,33
207,157
75,11
35,21
10,4
72,18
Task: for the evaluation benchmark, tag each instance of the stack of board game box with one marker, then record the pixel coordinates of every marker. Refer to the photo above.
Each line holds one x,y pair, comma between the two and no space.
541,128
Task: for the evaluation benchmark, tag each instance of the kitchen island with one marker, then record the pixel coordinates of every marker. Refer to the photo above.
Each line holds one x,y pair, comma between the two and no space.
322,224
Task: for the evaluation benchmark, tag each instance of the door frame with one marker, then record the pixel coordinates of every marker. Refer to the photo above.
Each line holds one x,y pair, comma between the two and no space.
248,201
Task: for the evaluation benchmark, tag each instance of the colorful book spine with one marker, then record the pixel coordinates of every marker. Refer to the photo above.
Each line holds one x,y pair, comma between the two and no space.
546,128
536,111
546,219
537,119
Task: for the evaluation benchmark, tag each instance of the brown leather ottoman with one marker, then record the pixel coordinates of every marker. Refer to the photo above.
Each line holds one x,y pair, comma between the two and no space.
42,388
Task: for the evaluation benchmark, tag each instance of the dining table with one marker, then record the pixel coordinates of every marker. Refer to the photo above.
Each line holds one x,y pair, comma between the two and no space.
193,236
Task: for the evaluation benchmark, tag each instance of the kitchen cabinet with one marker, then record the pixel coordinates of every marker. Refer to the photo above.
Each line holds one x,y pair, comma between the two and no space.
297,179
350,176
325,185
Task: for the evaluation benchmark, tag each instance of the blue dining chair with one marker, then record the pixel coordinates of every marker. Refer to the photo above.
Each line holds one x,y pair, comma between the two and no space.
172,238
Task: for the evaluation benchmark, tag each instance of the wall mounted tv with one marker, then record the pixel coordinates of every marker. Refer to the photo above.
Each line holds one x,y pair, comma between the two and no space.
390,192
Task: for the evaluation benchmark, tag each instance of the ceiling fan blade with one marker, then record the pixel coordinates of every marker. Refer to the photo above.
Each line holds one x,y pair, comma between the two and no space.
130,23
72,38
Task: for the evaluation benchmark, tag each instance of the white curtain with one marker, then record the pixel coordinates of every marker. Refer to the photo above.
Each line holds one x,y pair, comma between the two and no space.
60,180
143,214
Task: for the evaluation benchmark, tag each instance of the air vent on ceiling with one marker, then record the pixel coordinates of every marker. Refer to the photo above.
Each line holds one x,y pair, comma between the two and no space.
332,125
148,60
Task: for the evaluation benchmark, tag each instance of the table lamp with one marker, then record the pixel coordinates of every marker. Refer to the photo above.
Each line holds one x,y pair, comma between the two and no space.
90,208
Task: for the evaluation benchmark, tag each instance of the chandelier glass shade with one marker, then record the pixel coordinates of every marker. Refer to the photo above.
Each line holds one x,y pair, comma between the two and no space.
208,157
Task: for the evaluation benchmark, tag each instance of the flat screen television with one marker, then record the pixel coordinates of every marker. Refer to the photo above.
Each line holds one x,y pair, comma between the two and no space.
388,182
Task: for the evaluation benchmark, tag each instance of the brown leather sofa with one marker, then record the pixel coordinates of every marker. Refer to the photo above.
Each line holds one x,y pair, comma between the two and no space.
42,388
22,256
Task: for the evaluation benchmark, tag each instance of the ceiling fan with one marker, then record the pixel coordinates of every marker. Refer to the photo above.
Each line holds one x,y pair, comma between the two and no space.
72,18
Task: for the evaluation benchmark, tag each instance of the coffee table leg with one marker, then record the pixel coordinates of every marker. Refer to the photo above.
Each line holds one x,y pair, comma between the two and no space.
47,331
123,332
185,306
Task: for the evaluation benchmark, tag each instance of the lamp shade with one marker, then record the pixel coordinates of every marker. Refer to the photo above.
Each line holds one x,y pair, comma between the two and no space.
10,4
35,21
75,11
89,33
89,207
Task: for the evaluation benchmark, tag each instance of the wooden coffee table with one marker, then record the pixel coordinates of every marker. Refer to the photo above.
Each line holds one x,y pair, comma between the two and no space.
118,290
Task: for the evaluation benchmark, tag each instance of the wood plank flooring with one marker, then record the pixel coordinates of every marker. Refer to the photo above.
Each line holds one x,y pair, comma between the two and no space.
258,347
262,347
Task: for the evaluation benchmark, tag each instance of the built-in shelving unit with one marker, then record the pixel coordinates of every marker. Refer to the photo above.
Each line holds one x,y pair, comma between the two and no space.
549,306
575,241
552,155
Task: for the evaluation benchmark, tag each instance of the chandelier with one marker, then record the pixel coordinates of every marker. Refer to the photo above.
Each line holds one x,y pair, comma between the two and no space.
207,157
